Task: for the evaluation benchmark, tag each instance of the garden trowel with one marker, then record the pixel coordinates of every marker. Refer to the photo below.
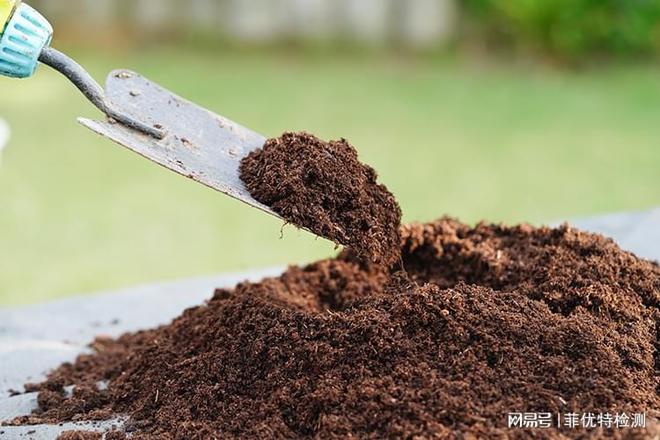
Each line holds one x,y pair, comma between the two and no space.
141,115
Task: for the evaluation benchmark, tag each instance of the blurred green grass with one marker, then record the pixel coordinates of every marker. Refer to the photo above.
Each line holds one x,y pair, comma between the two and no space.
448,136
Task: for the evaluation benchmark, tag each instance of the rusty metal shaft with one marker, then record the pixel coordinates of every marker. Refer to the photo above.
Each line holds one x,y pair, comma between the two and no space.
92,90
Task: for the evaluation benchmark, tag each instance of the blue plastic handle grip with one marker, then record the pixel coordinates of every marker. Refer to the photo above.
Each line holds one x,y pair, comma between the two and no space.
25,36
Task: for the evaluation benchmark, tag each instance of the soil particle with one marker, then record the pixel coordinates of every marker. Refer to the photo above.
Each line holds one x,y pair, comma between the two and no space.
80,435
322,186
115,435
486,320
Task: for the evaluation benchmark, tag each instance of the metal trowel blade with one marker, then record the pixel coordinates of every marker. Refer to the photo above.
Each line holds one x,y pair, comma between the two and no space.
198,144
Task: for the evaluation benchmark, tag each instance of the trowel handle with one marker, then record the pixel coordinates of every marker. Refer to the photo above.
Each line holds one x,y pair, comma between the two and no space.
24,33
25,37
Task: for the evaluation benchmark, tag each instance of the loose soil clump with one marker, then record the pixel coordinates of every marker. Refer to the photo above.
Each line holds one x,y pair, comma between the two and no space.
484,321
323,187
80,435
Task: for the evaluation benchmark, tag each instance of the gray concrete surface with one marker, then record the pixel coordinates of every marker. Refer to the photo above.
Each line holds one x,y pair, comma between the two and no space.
37,338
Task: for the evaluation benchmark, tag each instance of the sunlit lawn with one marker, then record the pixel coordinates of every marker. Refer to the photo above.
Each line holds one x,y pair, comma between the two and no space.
452,137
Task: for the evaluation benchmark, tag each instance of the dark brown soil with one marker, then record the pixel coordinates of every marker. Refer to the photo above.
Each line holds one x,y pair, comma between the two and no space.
488,320
115,435
322,186
80,435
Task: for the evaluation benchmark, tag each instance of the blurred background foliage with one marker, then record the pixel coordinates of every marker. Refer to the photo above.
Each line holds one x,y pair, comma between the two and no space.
566,30
571,30
454,103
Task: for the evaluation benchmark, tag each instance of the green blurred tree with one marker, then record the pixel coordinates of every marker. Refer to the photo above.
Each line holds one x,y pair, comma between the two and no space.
570,28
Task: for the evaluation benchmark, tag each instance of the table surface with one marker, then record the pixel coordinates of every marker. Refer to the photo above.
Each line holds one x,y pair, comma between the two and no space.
34,339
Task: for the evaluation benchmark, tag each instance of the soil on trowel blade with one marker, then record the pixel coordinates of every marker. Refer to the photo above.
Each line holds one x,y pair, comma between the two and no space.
485,321
322,186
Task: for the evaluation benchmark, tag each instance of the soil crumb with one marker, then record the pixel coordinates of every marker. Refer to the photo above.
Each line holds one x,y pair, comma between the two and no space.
115,435
322,186
489,320
80,435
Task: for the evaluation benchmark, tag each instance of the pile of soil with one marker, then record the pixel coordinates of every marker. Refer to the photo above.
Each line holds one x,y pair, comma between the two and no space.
484,321
473,324
323,187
